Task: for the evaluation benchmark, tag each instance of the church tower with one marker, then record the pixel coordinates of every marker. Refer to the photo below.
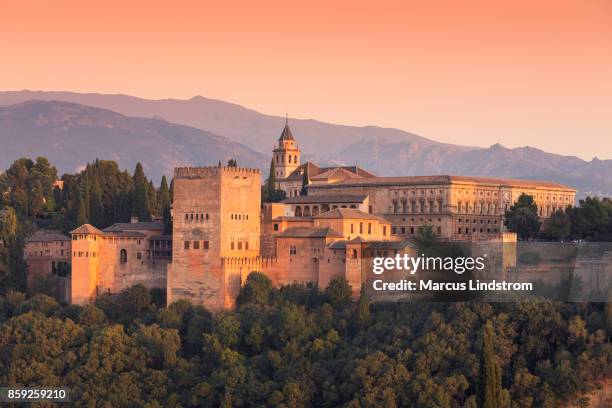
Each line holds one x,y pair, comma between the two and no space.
287,155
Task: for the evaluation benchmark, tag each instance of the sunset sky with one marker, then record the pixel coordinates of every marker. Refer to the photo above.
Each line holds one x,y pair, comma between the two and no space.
516,72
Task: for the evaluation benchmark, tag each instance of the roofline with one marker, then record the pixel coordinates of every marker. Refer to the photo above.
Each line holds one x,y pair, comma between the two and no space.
491,181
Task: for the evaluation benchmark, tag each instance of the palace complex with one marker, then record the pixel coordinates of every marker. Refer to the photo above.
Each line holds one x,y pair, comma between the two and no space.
222,232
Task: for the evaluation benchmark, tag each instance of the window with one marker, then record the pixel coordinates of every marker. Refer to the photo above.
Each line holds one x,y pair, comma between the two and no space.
138,255
292,250
186,244
246,245
239,244
369,227
196,244
351,228
205,244
384,230
361,227
275,227
123,256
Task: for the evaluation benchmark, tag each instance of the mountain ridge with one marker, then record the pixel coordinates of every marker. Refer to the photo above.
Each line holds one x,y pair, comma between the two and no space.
385,151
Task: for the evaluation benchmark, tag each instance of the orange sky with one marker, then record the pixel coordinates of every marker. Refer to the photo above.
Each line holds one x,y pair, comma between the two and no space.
470,72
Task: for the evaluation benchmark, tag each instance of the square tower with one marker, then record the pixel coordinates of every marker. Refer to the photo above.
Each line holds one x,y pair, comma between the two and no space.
216,215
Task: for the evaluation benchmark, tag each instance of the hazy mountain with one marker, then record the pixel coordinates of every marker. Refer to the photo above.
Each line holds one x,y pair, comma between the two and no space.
71,135
382,150
246,126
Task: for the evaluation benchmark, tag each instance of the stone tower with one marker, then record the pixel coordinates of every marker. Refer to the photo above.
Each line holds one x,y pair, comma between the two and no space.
216,215
287,155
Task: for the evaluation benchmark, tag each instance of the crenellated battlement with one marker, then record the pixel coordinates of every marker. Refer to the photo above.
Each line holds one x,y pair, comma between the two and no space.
200,172
252,261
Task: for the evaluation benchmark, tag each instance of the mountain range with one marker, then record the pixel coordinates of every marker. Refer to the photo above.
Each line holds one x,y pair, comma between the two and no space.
200,131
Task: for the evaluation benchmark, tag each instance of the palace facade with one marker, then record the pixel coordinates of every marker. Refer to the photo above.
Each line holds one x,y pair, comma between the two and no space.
222,232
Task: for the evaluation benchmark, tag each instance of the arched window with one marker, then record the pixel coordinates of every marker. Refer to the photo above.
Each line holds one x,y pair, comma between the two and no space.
298,211
306,211
315,210
325,208
354,254
123,256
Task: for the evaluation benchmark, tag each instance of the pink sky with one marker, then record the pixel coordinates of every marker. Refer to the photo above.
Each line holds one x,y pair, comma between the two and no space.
517,72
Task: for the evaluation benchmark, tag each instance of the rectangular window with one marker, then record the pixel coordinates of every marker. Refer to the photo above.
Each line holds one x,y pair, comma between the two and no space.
138,255
196,244
351,228
275,227
361,227
239,244
205,244
186,244
369,227
384,231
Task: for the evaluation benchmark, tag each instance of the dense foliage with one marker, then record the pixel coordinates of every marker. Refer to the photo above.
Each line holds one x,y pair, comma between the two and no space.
31,196
590,220
297,347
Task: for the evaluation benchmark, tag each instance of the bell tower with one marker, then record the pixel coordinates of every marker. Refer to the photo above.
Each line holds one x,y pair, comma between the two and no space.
286,155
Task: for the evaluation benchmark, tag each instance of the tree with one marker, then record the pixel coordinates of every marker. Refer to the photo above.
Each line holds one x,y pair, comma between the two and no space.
82,213
339,291
163,202
522,217
256,290
96,209
232,162
362,314
140,201
271,182
558,226
491,393
305,180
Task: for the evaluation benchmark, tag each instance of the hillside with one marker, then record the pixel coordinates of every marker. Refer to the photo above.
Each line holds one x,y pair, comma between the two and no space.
71,135
384,151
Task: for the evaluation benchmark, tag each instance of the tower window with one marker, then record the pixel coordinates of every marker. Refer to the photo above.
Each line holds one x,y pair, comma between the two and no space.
123,256
186,244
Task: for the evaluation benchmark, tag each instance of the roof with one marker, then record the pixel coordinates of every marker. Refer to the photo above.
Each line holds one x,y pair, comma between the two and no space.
161,238
286,134
325,198
445,179
135,234
87,229
316,172
47,236
135,226
372,245
309,232
351,213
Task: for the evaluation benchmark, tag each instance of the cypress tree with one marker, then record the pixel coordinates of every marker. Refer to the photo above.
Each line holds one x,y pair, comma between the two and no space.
305,180
152,198
163,202
96,210
491,393
362,315
82,213
140,201
271,184
163,197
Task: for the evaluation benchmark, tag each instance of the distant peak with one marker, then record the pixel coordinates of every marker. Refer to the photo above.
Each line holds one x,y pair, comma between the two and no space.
497,146
197,98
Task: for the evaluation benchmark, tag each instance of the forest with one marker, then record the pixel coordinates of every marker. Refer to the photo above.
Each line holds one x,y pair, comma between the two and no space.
294,346
298,347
